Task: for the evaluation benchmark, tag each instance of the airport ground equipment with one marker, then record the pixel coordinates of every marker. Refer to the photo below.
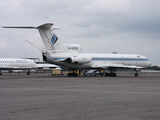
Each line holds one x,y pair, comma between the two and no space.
56,72
94,73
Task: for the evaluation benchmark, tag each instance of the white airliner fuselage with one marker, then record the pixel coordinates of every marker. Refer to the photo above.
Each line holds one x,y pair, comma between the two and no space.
16,64
70,56
21,64
103,61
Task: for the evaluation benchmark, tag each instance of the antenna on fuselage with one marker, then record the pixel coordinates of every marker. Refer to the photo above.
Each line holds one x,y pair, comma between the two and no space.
114,52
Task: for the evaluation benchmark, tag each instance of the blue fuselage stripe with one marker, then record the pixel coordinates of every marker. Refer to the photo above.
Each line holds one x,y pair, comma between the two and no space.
122,59
58,58
113,59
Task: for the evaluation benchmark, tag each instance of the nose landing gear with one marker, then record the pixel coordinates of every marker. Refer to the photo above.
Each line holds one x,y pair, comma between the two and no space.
136,74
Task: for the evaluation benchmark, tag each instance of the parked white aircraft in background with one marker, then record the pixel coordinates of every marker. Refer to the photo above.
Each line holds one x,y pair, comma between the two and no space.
70,56
21,64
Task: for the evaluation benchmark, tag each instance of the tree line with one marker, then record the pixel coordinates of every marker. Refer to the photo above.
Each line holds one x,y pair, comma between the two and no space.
153,68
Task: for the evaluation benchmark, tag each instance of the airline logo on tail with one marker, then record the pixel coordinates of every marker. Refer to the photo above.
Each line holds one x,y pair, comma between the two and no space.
54,39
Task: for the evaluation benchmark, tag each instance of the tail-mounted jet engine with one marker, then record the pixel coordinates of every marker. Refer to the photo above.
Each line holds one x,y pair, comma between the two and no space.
44,57
79,59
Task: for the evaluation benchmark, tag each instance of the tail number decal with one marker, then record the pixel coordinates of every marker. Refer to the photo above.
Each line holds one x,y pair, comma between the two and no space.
72,48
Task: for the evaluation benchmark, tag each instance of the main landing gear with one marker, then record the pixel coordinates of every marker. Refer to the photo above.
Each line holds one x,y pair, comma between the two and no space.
112,73
73,74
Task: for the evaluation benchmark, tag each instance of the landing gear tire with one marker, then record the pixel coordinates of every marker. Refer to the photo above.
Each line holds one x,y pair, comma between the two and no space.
111,75
28,73
136,74
107,74
114,75
72,74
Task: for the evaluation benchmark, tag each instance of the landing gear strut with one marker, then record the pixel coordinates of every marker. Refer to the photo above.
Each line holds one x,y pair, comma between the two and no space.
28,73
136,74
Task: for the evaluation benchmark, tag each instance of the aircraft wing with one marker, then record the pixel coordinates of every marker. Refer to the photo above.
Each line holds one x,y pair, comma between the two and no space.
61,60
45,66
115,66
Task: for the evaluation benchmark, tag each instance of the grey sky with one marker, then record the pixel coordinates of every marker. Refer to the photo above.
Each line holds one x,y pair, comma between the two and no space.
100,26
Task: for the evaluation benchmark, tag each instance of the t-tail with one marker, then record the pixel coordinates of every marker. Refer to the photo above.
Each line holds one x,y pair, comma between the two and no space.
50,40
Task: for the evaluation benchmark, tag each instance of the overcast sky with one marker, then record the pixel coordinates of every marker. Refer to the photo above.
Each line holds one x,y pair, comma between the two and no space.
100,26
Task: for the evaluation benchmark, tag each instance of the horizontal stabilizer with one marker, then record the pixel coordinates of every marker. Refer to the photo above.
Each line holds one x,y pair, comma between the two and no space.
29,27
44,26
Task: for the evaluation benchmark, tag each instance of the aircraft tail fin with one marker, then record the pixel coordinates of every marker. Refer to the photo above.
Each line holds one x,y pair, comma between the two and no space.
49,38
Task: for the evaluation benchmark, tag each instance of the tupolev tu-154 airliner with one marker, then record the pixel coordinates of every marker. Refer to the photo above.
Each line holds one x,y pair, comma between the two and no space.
70,56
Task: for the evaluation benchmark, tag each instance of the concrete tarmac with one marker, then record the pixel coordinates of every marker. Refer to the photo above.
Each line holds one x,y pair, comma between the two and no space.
46,97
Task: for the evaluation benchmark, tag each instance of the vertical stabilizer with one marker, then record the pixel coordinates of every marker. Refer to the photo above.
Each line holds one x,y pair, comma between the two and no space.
49,38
